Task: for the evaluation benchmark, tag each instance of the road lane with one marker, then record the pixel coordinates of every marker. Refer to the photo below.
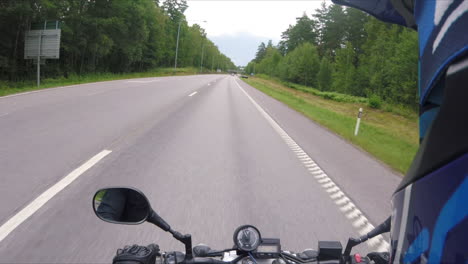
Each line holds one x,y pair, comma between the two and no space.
367,181
208,163
48,134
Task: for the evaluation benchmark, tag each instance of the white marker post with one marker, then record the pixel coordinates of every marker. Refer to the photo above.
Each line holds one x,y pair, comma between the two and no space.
358,122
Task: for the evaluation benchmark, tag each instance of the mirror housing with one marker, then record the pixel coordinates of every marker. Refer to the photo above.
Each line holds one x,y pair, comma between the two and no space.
121,206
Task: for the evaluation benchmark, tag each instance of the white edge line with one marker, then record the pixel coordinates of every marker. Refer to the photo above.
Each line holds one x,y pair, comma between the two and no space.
97,93
150,81
68,86
35,205
50,89
192,94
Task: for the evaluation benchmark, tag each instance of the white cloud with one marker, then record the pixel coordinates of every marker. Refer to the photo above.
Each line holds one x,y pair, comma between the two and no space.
238,27
266,19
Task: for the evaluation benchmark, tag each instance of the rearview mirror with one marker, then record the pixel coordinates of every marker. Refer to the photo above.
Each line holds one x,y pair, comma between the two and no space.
121,206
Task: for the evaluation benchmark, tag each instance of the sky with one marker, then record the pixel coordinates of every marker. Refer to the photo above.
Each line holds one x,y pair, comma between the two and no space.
238,27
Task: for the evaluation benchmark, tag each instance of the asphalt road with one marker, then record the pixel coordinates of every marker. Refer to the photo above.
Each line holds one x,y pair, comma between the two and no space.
197,146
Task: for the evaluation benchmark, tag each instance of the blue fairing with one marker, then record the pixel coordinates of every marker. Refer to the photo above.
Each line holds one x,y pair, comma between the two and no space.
438,235
442,39
381,9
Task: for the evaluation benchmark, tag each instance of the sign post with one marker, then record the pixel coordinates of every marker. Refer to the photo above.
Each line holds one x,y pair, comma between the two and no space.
358,122
42,42
39,60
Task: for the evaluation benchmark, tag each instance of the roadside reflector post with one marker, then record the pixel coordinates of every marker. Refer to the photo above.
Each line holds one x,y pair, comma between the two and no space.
358,122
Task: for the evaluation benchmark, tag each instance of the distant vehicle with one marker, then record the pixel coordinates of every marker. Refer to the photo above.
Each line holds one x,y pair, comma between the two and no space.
244,76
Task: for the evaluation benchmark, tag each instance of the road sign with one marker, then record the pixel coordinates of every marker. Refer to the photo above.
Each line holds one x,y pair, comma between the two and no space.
42,42
48,24
47,41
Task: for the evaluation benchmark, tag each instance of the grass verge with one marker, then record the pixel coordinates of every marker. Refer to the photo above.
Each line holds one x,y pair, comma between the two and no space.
389,137
7,88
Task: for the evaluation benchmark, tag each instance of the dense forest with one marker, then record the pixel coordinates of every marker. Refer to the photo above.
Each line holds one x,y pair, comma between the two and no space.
344,50
105,36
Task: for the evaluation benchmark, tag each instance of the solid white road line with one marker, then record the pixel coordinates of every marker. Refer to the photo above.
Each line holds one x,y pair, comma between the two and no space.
18,94
46,90
342,201
29,210
96,93
150,81
2,115
192,94
67,86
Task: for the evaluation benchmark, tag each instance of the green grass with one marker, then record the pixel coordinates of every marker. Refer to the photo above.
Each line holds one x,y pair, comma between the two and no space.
343,98
7,88
388,137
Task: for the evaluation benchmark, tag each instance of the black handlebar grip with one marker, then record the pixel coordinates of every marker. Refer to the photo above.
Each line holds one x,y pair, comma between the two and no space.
201,250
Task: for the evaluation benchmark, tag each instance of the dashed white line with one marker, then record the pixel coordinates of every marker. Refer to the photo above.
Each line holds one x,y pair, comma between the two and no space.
355,213
345,205
367,228
348,207
342,201
192,94
30,209
337,195
360,221
325,180
2,115
320,175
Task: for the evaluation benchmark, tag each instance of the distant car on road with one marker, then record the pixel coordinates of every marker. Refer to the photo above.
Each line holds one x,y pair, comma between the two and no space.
244,76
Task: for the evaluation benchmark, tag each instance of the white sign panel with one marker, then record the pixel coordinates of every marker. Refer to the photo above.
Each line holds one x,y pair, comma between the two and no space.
48,40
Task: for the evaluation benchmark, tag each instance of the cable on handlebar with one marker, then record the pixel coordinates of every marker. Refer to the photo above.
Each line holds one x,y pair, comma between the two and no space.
288,256
252,257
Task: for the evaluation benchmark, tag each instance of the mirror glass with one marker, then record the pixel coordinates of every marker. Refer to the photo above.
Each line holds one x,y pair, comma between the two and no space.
121,205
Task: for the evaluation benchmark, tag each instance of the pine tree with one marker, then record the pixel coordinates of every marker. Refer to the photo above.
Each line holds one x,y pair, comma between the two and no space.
343,76
261,52
324,76
303,31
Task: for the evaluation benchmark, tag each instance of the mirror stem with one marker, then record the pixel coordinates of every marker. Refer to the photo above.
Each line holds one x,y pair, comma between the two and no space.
157,220
352,242
186,240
